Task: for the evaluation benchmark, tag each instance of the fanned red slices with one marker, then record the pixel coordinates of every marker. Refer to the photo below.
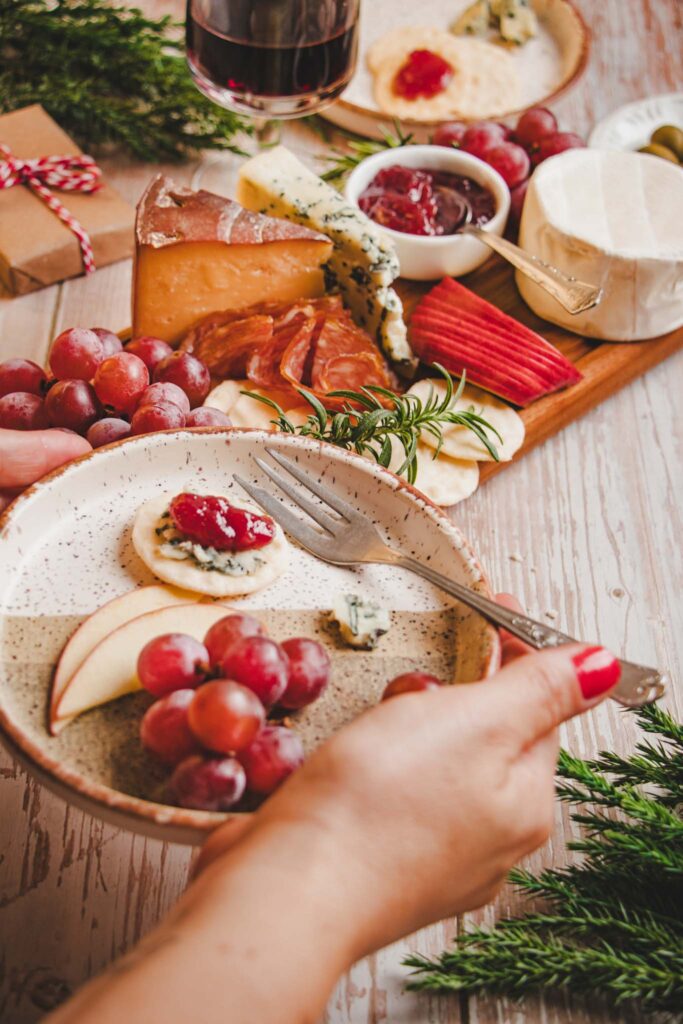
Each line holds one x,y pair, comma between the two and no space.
312,344
453,326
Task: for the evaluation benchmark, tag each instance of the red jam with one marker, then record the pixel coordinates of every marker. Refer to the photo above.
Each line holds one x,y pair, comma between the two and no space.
214,523
425,202
423,74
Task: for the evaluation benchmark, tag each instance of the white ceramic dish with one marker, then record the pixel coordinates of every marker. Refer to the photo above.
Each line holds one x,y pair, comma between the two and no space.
66,549
429,257
630,126
548,64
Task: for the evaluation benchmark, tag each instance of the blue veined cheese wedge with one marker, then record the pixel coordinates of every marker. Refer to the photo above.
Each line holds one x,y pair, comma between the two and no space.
363,264
361,623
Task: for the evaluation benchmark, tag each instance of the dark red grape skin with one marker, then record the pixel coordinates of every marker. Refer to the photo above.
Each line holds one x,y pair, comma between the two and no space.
150,350
161,416
164,729
553,145
410,682
72,404
449,134
205,416
517,197
511,162
309,672
275,753
21,375
208,783
172,661
188,373
227,631
165,392
107,430
111,343
76,353
22,410
120,381
225,716
533,125
259,664
482,136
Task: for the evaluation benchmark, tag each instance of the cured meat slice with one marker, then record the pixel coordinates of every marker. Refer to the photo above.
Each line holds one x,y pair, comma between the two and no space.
263,367
352,372
226,348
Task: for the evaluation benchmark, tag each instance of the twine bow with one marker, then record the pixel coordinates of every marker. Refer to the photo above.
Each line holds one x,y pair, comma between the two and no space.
66,173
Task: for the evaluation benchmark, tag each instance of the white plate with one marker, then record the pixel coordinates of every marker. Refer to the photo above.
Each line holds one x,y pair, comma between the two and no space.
66,549
630,126
549,63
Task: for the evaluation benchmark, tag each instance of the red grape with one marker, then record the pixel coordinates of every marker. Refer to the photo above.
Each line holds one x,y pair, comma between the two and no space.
309,672
534,125
511,161
164,728
449,134
72,404
107,430
150,350
227,631
188,373
409,682
517,197
165,393
23,411
481,137
111,343
205,416
21,375
275,753
208,783
120,381
551,145
173,661
76,353
260,664
162,416
225,716
213,522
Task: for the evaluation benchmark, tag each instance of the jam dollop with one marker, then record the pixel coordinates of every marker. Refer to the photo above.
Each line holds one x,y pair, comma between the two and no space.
424,74
422,201
214,523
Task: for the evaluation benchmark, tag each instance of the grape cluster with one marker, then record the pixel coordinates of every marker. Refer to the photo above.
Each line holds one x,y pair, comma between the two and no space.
513,152
100,389
209,721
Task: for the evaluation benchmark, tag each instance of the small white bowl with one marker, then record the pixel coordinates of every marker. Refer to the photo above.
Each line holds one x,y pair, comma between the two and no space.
428,257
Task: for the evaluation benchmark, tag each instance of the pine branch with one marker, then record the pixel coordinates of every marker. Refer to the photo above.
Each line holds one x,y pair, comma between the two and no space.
108,74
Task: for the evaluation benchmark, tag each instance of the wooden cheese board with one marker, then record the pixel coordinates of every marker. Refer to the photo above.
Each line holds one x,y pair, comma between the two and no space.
606,366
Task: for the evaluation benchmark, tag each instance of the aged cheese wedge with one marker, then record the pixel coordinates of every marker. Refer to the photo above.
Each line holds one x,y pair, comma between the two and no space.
614,219
364,263
197,252
463,443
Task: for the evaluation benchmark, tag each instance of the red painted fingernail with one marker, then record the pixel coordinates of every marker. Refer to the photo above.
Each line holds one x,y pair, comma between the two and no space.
597,670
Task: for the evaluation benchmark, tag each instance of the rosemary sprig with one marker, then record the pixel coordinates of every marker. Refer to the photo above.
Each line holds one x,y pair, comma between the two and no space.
370,429
343,161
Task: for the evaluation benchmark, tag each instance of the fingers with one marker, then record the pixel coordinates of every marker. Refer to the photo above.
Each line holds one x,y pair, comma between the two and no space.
530,697
26,455
511,647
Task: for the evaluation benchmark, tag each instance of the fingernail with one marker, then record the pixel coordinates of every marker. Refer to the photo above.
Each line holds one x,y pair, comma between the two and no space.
597,670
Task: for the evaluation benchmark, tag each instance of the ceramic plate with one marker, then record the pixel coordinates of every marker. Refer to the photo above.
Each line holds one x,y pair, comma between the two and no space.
66,550
630,126
548,64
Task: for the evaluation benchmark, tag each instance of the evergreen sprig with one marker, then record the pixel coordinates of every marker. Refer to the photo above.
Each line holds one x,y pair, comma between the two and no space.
614,922
383,417
357,149
108,74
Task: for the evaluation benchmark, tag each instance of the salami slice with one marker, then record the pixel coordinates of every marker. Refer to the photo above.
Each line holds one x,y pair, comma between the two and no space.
263,367
352,372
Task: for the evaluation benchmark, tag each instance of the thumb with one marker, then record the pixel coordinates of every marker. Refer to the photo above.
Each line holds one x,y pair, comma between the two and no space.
533,695
26,455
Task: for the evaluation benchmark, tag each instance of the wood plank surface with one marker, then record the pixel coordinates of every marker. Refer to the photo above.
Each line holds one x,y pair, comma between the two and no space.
586,529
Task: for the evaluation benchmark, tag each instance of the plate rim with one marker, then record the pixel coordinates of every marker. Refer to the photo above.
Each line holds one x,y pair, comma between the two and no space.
615,115
166,821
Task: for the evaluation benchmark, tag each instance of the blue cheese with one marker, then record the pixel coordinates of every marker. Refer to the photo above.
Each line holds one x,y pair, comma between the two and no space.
178,548
361,623
363,264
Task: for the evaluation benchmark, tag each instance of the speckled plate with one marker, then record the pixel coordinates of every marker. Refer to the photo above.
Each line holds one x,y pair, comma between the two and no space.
65,549
548,64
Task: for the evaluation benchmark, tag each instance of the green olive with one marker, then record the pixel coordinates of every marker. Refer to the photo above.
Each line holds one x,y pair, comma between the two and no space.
671,137
657,150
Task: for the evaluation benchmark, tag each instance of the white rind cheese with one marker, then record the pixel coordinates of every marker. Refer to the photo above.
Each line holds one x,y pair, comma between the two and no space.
615,220
363,264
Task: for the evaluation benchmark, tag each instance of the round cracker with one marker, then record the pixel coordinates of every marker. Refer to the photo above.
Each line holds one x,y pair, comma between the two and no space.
186,575
443,480
249,412
462,443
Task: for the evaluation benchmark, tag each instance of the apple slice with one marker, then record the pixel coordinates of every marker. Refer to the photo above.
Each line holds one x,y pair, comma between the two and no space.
104,621
109,670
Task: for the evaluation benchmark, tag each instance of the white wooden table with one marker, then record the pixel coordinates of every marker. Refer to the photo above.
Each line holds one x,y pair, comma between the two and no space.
587,529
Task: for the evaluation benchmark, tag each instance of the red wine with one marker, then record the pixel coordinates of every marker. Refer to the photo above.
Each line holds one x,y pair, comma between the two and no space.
255,73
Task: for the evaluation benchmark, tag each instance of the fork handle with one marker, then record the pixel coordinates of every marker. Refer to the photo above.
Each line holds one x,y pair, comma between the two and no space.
637,686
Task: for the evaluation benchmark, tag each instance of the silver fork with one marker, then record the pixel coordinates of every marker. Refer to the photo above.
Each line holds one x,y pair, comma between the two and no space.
347,537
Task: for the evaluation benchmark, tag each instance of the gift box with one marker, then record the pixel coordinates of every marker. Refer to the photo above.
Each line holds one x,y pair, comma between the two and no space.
36,247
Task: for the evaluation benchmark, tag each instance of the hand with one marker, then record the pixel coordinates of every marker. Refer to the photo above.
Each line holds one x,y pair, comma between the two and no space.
426,801
26,455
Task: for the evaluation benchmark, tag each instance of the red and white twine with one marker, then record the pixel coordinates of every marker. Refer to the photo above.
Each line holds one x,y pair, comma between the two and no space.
66,173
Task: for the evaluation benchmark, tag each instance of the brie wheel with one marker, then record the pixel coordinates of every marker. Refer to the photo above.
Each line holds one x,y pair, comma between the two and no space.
187,575
462,443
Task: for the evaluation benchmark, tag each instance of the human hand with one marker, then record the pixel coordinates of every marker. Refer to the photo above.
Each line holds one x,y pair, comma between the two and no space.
26,455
